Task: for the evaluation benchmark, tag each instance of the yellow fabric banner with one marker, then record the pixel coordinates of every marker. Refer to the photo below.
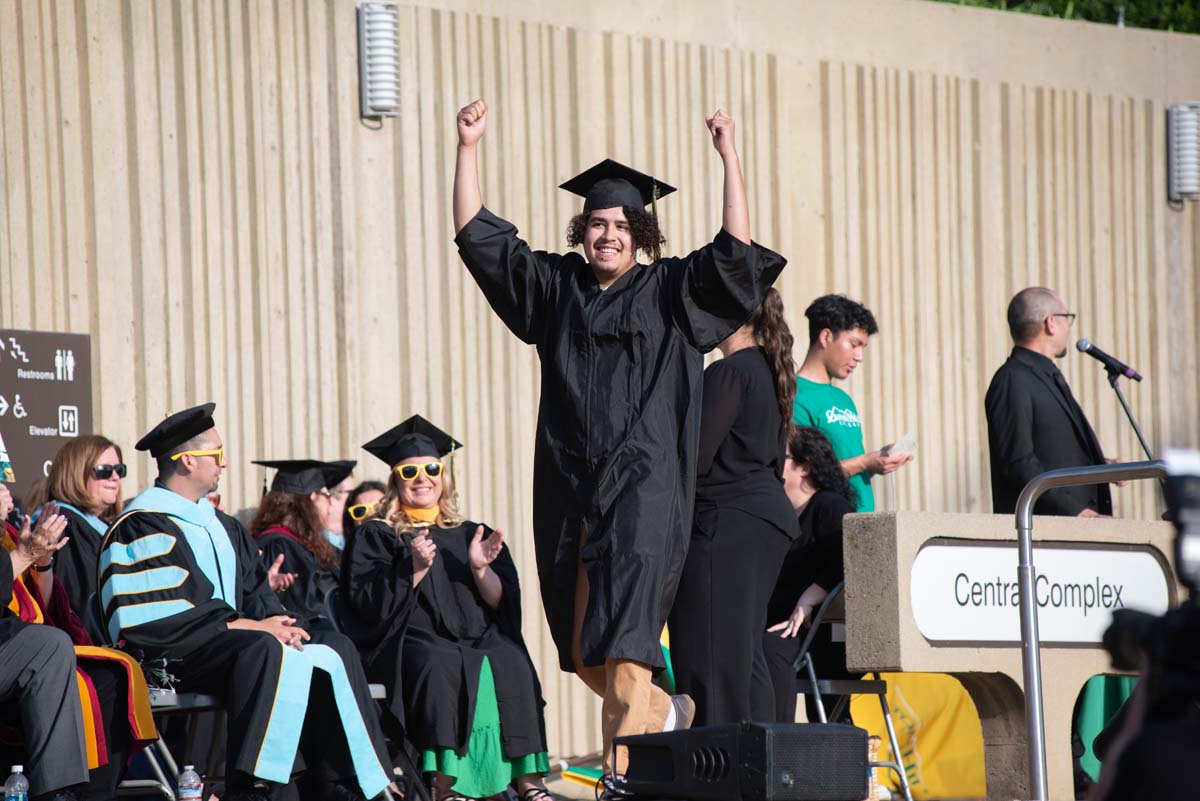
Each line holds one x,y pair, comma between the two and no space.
938,731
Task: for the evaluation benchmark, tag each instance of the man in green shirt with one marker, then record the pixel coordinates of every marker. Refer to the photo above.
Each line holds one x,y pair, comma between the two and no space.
838,330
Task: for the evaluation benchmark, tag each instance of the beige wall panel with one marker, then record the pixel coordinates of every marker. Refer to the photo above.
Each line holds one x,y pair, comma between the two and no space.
190,183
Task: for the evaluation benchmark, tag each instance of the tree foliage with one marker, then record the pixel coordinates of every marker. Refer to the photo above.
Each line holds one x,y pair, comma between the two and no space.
1165,15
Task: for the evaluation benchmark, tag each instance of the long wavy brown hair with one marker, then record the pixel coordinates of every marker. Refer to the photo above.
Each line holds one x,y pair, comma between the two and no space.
69,474
298,514
391,512
773,335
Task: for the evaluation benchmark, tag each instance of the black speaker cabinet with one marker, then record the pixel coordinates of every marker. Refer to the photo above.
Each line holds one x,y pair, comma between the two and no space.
750,761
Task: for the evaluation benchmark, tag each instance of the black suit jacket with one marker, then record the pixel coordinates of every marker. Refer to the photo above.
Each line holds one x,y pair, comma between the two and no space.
1034,427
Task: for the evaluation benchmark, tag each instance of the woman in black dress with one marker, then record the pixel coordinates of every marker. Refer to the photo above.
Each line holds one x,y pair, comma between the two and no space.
433,601
819,492
288,525
743,523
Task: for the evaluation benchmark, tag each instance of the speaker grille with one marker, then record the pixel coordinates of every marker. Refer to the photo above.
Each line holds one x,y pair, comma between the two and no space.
829,767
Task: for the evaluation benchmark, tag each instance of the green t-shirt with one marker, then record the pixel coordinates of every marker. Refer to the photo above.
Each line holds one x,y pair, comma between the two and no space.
832,412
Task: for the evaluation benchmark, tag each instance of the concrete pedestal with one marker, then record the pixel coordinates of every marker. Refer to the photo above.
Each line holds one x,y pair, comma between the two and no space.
882,633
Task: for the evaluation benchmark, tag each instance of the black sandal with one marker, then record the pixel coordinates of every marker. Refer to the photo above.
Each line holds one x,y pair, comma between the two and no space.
539,794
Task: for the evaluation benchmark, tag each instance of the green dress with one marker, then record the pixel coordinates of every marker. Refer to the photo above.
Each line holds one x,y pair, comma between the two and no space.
484,770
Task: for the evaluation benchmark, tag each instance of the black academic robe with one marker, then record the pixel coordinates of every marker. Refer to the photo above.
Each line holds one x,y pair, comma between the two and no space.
170,583
427,644
305,599
619,419
75,564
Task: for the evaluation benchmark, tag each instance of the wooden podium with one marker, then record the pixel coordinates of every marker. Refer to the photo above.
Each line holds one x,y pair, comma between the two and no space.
931,593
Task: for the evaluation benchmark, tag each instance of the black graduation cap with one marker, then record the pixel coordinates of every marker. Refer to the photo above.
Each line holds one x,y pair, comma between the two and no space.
177,429
610,184
297,476
337,472
416,436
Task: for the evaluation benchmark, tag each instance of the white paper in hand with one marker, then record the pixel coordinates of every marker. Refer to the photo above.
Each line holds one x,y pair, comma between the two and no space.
905,446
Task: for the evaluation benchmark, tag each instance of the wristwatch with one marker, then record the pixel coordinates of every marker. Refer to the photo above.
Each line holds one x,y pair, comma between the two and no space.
46,567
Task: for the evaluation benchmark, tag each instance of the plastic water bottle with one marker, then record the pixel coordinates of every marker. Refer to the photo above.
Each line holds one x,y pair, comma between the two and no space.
17,786
191,788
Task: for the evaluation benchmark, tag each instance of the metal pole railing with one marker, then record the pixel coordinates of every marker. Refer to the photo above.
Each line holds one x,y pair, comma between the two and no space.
1027,576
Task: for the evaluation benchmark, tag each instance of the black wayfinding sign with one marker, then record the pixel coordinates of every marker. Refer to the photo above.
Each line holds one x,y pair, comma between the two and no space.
45,397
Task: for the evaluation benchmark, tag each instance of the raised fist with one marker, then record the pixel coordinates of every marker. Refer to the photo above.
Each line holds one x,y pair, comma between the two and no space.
720,125
472,120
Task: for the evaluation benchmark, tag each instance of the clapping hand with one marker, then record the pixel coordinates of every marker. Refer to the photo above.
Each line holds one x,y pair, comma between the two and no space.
40,544
483,552
279,581
423,552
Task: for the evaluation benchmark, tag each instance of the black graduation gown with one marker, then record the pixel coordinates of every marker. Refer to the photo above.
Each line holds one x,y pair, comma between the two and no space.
75,564
169,586
619,419
305,599
428,645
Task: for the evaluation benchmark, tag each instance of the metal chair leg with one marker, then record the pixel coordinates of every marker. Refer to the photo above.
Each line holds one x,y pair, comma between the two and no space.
816,691
157,770
898,765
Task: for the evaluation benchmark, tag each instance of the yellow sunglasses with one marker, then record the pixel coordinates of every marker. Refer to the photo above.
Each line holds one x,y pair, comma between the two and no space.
219,453
409,472
359,511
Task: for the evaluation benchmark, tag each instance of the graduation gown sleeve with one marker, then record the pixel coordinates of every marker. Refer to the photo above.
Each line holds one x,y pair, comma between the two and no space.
153,593
515,279
256,599
75,564
305,599
508,613
376,585
717,287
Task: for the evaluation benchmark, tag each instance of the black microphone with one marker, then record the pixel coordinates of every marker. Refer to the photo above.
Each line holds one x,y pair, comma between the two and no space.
1110,364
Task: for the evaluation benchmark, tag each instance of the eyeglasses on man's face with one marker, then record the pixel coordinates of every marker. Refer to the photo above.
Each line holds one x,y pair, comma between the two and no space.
219,453
1070,316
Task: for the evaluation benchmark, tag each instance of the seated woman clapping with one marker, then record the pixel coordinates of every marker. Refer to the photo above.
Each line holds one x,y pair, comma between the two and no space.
433,601
287,528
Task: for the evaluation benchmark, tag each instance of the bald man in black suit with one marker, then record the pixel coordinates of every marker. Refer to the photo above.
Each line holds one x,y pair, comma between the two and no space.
1034,422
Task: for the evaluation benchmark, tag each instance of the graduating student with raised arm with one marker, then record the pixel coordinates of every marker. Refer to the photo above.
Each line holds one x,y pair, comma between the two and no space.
621,347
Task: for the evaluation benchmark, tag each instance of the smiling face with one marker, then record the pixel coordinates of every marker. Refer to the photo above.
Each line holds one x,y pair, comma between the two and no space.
608,244
423,492
843,352
103,491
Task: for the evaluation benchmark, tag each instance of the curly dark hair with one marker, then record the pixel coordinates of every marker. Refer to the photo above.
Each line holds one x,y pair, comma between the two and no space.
643,229
298,514
348,522
810,448
772,333
838,313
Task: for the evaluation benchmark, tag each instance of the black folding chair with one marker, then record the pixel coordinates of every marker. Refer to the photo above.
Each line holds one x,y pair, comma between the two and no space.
809,684
164,702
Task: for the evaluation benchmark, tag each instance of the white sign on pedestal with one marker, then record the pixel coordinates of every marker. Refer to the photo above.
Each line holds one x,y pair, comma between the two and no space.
968,593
